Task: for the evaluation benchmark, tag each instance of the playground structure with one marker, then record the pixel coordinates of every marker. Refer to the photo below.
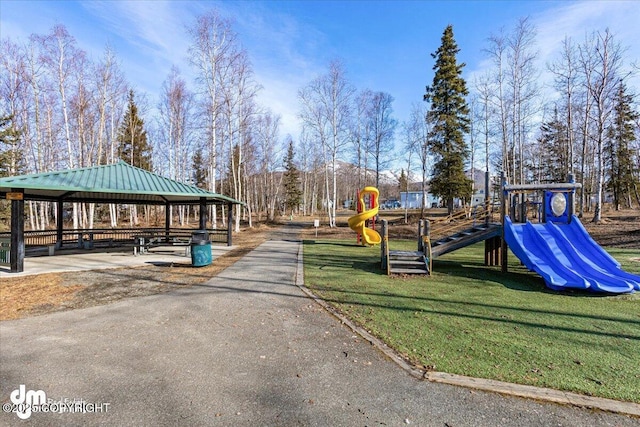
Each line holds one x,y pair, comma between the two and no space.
441,236
557,246
358,222
537,223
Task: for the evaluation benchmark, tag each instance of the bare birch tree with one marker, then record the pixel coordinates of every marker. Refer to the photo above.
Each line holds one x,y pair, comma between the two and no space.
326,108
61,56
484,113
382,125
361,133
418,131
238,100
602,86
176,129
497,53
521,55
212,43
565,71
268,152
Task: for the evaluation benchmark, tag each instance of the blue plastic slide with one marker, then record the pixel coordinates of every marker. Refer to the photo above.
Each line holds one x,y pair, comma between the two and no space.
566,256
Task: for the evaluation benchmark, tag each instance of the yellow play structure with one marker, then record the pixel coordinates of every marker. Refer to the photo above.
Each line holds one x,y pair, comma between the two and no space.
358,222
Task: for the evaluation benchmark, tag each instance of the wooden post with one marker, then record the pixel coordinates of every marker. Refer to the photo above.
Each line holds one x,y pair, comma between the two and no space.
487,199
202,225
17,235
59,224
492,251
420,234
487,252
229,223
359,208
426,232
383,246
503,208
167,219
571,199
426,251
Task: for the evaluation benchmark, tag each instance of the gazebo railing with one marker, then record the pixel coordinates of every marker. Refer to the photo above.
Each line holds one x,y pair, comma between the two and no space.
78,238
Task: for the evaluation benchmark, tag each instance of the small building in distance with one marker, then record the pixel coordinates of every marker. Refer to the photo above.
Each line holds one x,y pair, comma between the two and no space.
413,200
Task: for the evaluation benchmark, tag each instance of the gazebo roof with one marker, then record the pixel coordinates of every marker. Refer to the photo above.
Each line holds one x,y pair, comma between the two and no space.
114,183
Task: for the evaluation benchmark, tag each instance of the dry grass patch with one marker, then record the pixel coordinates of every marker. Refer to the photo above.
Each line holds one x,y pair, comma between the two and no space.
23,294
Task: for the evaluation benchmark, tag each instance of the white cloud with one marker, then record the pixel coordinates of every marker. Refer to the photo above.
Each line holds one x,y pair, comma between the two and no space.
156,28
154,37
150,37
576,20
284,52
281,98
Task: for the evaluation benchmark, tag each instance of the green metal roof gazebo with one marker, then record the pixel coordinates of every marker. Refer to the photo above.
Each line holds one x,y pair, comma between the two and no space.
114,183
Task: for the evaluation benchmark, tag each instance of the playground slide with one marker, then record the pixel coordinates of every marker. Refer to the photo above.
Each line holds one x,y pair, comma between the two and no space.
357,222
566,256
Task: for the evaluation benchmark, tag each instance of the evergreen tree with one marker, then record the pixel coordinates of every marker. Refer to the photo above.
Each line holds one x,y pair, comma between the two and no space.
132,138
623,180
449,114
554,159
199,170
403,182
11,158
291,179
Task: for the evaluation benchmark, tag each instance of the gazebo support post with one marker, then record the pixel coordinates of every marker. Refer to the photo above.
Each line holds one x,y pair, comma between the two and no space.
17,235
59,223
229,223
203,214
167,220
503,212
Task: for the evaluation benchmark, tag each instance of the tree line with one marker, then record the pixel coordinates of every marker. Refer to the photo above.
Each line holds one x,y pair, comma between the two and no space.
60,109
584,124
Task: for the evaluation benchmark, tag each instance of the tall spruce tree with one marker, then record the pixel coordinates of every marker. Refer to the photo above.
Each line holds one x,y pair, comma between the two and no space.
553,153
403,182
199,170
449,114
132,138
11,157
623,180
291,179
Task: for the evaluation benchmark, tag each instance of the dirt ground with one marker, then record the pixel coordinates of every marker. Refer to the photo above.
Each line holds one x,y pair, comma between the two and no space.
46,293
617,230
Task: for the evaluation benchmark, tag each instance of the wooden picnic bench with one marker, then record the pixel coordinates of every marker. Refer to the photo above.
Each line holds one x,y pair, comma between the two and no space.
144,242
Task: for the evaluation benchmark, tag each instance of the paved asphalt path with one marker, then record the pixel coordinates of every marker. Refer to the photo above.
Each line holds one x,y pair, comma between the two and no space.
247,348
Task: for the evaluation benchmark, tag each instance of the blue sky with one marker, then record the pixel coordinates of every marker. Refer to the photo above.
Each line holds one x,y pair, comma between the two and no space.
385,45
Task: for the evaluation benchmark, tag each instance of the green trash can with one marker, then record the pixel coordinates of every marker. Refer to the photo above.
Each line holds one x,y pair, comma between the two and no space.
200,248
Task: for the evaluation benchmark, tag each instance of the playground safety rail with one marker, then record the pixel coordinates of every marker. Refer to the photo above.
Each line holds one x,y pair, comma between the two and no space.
462,220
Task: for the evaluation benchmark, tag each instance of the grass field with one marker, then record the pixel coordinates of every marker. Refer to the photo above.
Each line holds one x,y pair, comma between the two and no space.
473,320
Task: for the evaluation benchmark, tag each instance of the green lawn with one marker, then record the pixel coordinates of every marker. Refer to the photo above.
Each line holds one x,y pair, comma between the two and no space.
473,320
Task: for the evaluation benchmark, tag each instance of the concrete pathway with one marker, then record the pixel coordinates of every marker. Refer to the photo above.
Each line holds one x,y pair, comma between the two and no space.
248,348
